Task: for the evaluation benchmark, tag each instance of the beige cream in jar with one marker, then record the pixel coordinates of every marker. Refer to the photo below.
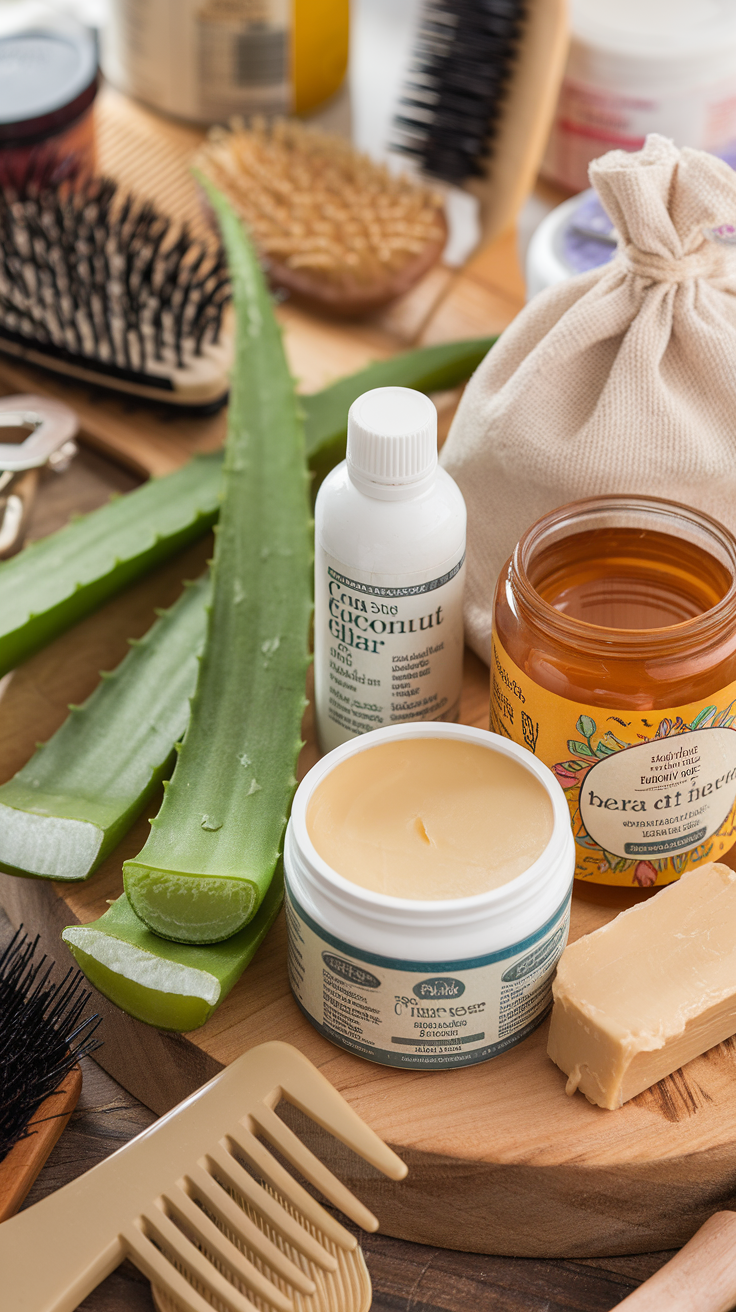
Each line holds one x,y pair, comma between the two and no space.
428,876
430,818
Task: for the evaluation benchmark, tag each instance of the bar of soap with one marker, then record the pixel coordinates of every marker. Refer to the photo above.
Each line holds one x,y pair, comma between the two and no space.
638,998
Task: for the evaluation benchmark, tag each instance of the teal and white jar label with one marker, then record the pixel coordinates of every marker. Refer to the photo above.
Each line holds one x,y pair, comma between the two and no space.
423,1015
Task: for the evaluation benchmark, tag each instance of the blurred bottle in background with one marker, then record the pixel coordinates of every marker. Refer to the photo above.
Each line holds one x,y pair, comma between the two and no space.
48,86
207,60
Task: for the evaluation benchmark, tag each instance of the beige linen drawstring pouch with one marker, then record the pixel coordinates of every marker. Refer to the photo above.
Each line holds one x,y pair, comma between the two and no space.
620,380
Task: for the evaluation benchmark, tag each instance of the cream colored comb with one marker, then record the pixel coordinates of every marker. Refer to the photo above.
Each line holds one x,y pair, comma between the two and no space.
180,1203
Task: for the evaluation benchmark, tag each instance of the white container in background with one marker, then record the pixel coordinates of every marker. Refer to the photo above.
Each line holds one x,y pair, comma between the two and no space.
640,66
426,985
389,572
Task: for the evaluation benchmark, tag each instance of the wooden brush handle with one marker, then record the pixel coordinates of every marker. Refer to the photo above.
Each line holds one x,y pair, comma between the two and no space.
701,1278
526,116
19,1169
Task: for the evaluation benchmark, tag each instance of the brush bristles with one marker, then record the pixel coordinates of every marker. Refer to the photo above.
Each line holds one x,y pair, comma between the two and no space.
42,1035
93,276
313,204
455,88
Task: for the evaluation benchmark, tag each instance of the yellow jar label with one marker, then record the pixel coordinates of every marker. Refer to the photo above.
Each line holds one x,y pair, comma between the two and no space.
652,794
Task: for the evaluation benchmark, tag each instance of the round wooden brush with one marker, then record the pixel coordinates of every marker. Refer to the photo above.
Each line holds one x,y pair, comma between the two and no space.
333,227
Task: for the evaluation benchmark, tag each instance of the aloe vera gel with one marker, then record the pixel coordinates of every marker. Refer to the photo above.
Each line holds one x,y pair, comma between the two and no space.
174,986
389,573
72,802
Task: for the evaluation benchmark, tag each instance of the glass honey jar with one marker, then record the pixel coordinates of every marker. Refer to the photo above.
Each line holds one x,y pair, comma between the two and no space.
614,662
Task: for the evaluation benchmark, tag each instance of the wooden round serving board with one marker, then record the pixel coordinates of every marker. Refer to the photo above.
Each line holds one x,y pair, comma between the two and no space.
501,1161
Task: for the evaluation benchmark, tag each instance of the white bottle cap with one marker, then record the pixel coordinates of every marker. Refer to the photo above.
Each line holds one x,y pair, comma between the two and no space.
392,441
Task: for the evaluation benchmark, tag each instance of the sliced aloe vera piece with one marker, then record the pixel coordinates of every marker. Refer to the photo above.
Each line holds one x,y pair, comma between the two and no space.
82,790
428,369
175,986
58,580
216,841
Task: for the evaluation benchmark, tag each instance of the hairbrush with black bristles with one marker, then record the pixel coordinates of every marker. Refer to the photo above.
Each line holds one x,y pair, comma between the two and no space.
479,97
43,1034
101,287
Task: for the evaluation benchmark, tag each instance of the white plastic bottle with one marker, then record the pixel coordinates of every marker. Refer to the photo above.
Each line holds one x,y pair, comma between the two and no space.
389,572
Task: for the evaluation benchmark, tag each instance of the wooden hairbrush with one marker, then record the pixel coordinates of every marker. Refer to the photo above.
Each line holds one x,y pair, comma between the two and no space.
102,288
334,228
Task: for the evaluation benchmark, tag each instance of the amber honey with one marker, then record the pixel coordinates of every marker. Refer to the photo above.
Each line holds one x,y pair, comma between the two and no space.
625,578
615,629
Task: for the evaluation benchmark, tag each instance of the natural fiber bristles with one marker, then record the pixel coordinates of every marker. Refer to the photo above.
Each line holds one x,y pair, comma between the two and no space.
313,203
42,1035
93,276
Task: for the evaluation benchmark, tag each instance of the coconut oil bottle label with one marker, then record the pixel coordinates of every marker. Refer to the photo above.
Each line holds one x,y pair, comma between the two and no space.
383,654
652,794
423,1015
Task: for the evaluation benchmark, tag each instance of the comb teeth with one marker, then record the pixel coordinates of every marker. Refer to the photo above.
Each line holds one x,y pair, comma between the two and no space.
455,87
95,279
145,1201
237,1221
242,1246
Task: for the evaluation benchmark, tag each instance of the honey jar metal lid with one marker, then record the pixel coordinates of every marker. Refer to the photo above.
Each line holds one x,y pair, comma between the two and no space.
48,77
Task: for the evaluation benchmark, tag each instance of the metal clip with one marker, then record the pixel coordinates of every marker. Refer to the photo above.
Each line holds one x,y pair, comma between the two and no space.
51,442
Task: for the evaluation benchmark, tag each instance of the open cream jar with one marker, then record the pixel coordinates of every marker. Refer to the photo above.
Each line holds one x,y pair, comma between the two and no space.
432,979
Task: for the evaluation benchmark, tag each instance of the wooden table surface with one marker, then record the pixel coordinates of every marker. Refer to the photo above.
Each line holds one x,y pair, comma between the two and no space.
406,1277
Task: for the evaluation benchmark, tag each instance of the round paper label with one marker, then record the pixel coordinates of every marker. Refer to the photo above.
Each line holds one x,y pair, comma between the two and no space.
663,797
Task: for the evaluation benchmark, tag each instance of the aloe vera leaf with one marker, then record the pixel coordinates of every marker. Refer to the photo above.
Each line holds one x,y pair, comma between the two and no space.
81,791
215,843
428,369
58,580
175,986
